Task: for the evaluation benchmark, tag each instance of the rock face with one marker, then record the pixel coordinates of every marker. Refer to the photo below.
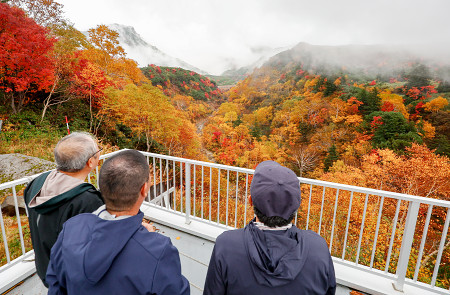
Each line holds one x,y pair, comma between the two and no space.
8,207
15,166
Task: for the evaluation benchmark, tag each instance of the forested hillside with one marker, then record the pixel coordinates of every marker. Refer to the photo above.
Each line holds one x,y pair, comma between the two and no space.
323,111
318,123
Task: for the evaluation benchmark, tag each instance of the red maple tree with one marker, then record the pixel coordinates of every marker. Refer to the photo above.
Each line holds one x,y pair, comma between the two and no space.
25,65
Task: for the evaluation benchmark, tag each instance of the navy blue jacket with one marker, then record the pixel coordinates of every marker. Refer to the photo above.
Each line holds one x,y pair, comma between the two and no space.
96,256
251,261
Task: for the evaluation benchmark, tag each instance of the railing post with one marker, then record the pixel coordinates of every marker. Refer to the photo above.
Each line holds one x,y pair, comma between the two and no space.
188,192
405,250
5,240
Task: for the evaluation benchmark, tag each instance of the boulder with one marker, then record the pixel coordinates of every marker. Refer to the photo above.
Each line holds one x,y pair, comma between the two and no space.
8,207
15,166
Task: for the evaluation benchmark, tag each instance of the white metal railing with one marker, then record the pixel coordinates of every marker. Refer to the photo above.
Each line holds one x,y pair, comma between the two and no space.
398,237
11,187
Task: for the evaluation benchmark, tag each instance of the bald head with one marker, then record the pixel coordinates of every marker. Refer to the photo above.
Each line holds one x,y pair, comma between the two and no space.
74,150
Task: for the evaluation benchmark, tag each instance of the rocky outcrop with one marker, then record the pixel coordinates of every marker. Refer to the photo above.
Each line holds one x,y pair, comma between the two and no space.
15,166
9,209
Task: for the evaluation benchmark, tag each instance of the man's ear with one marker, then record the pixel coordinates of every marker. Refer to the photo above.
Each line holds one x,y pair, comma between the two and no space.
91,163
144,190
250,200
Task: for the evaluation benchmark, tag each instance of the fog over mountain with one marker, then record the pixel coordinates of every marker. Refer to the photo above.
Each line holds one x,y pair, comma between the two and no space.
369,60
216,36
366,59
261,55
144,53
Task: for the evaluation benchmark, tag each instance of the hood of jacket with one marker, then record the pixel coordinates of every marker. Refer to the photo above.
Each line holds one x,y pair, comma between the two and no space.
277,256
52,189
94,243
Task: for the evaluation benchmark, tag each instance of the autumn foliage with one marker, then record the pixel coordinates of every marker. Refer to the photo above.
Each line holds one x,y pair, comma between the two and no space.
181,81
25,63
385,132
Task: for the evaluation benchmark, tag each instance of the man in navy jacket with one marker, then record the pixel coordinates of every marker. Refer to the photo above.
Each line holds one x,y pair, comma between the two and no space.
271,255
110,251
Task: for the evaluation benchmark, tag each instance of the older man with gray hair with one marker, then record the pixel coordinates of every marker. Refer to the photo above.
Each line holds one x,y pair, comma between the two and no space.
57,195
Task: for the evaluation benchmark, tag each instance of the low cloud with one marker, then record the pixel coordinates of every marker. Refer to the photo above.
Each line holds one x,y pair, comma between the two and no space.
212,35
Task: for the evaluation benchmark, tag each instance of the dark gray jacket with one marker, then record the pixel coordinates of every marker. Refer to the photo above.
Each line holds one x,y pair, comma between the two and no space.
47,219
251,261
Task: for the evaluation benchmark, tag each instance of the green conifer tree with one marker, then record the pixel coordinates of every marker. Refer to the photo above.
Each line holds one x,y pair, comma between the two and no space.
332,157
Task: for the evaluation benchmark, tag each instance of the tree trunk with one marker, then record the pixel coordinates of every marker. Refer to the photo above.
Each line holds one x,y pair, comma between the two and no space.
98,125
90,109
21,101
429,256
147,141
47,100
13,105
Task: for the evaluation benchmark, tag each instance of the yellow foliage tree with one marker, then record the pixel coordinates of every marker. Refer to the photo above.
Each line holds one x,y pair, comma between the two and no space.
436,104
111,57
147,111
428,130
396,100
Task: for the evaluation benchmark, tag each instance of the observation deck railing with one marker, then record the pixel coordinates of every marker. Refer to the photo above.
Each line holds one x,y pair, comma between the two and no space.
397,238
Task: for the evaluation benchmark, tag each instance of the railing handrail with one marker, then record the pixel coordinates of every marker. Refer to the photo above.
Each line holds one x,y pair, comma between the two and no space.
371,191
196,162
347,187
19,181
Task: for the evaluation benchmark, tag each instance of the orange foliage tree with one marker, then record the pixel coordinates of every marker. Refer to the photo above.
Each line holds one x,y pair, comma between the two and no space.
397,173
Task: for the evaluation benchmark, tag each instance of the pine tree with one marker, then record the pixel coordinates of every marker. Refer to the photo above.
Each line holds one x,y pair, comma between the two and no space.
371,101
419,76
332,157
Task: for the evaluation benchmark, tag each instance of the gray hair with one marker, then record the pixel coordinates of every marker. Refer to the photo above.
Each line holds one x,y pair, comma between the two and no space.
74,150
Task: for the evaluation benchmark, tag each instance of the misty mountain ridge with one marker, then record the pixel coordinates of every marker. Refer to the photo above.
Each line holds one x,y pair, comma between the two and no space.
144,53
369,60
264,53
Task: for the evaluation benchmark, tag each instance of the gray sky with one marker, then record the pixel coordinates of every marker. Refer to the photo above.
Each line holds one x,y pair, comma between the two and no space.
210,33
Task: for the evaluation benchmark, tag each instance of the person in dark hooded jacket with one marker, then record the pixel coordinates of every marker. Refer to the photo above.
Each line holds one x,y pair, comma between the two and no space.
55,196
271,255
111,251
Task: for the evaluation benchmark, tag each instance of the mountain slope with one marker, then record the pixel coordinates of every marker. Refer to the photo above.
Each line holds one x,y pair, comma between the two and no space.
175,81
144,53
370,60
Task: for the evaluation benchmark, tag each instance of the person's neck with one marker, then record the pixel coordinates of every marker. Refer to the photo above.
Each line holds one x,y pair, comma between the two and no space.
130,212
82,174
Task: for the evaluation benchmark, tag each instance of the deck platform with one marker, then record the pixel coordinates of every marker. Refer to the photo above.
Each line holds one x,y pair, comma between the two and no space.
195,251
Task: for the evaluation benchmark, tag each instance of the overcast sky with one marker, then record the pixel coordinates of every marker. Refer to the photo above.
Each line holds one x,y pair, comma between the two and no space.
205,33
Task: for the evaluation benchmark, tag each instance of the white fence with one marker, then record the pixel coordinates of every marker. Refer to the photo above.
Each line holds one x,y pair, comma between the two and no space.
397,237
